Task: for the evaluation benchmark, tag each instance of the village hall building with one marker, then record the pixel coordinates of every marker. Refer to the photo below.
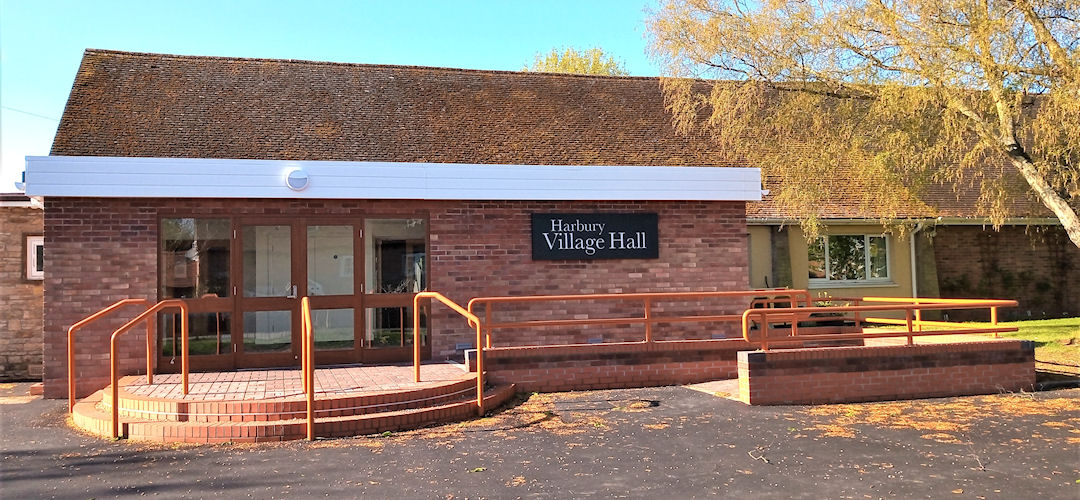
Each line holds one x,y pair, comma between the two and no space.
240,185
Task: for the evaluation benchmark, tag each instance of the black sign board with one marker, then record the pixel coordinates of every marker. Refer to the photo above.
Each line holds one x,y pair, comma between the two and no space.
595,236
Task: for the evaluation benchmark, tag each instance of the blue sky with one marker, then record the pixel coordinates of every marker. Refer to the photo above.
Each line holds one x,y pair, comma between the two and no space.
41,42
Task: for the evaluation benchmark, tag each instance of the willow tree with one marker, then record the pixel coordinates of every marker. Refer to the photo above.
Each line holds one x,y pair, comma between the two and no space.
583,62
897,96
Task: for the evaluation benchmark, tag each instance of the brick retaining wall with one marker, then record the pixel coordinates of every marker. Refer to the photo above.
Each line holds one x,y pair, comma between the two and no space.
882,373
611,366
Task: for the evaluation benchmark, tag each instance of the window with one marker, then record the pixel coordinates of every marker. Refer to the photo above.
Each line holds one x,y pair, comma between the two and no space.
861,257
35,257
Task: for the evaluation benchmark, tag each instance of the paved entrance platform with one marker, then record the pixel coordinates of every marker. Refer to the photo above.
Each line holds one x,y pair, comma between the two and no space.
286,383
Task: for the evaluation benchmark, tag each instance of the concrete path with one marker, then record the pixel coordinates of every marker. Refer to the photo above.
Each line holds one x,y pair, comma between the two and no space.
668,442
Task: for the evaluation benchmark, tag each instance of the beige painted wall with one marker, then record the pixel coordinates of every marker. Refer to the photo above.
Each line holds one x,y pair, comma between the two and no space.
761,262
761,256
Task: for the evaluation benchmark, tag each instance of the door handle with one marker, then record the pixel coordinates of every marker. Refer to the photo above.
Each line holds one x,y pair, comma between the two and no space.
292,292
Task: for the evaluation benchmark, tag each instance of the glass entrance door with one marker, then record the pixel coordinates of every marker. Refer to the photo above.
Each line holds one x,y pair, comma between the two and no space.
395,267
267,300
332,283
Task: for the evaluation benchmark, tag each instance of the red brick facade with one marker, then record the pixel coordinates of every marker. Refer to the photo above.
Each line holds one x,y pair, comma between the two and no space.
885,373
1037,266
20,299
103,250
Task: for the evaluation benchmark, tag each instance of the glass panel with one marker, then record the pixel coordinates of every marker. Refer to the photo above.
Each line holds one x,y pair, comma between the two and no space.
879,262
392,326
334,328
816,256
267,331
330,260
39,257
194,258
267,261
847,257
208,333
396,255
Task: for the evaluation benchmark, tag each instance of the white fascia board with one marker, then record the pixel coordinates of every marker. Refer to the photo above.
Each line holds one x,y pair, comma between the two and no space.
124,177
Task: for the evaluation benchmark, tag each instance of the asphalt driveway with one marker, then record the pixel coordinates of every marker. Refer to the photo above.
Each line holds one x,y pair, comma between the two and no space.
667,442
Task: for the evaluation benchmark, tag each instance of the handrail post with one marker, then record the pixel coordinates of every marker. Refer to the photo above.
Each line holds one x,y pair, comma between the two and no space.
918,315
910,336
185,366
114,369
764,330
150,350
308,338
479,372
416,336
487,323
648,320
994,320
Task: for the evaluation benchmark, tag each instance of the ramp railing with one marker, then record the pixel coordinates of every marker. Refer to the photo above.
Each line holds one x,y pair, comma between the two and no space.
149,316
71,372
912,310
473,322
763,298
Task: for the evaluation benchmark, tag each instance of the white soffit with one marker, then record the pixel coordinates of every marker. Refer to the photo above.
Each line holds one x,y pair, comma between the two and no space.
122,177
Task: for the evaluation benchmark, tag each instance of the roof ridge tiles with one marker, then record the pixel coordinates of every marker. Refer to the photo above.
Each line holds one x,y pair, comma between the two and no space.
124,53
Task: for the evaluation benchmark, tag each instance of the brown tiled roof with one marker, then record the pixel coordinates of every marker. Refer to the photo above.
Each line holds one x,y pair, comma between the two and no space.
154,105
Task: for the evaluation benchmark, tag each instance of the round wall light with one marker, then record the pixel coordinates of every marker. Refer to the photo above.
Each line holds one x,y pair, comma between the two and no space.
297,179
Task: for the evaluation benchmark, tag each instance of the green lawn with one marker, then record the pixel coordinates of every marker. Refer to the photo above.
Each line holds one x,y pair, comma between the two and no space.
1056,340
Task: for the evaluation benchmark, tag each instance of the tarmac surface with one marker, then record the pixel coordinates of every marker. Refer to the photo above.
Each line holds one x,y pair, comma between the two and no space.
665,442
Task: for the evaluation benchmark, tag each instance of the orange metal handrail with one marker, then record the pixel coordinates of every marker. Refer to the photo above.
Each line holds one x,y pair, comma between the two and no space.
78,326
794,297
911,310
473,321
114,363
307,364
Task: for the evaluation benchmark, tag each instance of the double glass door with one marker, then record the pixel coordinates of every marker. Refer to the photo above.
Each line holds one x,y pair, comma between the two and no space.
244,278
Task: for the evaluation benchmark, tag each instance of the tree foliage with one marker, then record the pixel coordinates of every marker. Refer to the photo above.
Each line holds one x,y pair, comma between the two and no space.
583,62
896,96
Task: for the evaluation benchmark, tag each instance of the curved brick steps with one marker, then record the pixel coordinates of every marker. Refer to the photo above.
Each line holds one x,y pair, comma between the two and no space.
287,407
90,415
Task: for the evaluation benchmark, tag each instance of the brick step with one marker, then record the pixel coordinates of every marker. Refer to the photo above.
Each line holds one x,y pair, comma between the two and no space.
89,417
291,407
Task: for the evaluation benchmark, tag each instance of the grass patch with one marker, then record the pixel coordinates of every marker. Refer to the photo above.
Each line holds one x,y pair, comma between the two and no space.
1056,340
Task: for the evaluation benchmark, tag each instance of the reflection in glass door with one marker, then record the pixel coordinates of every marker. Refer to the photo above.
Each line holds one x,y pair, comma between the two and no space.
331,284
395,270
195,256
268,295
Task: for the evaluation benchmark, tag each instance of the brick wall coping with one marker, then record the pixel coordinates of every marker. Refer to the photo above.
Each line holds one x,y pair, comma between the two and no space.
615,347
849,352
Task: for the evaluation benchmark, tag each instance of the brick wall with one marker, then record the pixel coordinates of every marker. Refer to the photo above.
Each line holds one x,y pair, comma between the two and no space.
20,301
102,250
1038,266
609,366
882,373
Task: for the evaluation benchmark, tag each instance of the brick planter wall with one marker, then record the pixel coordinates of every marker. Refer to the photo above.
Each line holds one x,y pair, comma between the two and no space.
99,251
882,373
611,366
20,299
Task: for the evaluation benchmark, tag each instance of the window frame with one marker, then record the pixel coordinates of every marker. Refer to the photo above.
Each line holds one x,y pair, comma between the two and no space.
33,272
866,281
